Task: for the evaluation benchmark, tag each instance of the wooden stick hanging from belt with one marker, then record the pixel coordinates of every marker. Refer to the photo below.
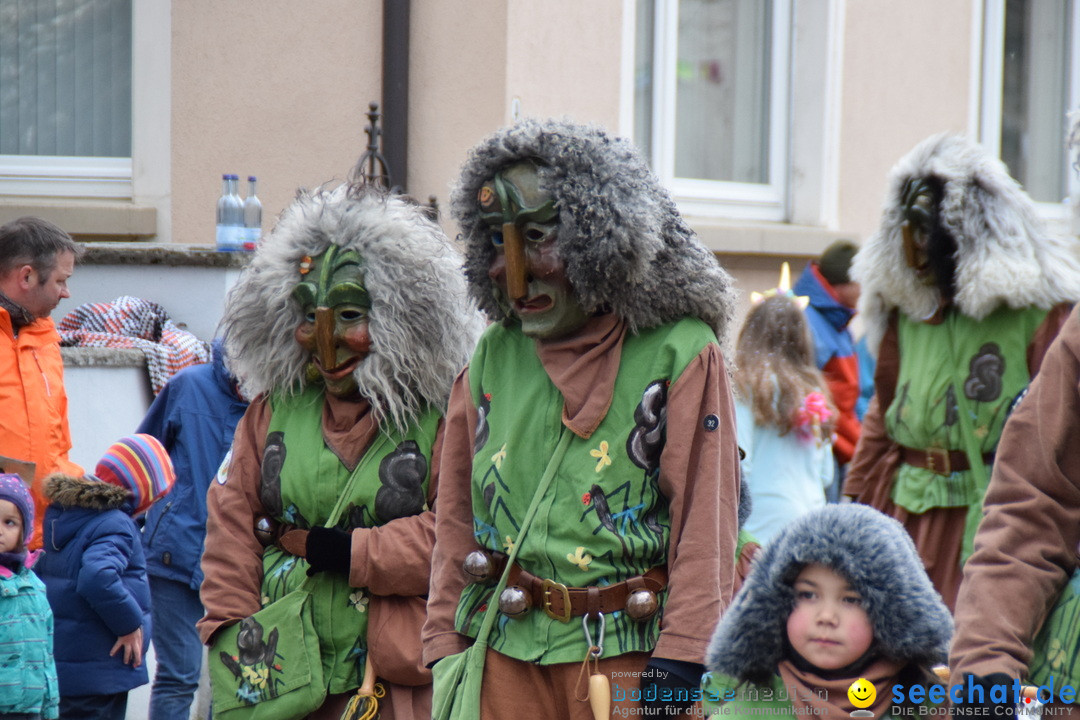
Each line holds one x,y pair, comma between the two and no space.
599,690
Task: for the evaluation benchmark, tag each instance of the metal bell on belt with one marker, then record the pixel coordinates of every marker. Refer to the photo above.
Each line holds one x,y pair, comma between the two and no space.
514,602
641,604
264,530
478,566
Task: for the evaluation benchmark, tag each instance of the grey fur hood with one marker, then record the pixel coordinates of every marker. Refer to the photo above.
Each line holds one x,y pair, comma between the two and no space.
875,554
85,492
625,246
423,326
1004,255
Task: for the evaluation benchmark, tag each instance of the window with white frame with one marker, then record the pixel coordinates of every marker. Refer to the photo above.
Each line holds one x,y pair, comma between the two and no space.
66,98
711,84
1030,83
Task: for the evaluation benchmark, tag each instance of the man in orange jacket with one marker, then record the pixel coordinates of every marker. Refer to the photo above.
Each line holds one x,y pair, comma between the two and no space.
36,260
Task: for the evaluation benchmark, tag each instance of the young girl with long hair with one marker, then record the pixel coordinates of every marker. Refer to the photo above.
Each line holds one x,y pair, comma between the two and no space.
784,414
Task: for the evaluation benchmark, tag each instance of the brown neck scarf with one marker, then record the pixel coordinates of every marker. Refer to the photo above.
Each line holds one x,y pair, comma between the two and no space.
807,697
584,367
20,316
348,427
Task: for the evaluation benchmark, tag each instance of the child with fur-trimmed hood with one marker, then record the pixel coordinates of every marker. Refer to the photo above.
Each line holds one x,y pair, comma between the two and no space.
94,570
838,595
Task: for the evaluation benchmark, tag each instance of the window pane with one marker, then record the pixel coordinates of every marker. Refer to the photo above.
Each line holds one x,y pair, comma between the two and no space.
723,87
1035,91
645,28
65,77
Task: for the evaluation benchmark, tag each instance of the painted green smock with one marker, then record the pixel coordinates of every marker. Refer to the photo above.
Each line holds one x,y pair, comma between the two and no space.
986,360
604,518
313,478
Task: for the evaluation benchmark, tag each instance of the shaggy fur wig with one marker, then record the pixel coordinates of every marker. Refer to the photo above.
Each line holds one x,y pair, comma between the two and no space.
877,557
1004,256
625,246
422,325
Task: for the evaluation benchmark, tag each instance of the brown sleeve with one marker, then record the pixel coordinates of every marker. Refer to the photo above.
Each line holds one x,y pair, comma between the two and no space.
395,558
870,475
453,526
232,560
699,474
1025,548
1045,334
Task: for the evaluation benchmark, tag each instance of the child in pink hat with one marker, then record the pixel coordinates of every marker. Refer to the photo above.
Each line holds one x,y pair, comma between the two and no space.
27,631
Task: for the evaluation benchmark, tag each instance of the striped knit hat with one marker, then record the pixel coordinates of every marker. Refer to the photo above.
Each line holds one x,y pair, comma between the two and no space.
140,465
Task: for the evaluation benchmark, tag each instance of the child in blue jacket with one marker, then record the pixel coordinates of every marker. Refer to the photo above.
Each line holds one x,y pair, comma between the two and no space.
28,680
95,573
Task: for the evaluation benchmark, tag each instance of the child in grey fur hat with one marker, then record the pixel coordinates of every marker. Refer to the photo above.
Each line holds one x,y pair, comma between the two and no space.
839,596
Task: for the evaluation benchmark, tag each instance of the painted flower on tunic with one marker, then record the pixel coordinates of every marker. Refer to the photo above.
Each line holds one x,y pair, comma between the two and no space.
601,455
359,601
256,675
498,457
580,558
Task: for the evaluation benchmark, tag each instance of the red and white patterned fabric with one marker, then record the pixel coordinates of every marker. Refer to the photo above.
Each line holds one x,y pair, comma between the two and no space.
130,322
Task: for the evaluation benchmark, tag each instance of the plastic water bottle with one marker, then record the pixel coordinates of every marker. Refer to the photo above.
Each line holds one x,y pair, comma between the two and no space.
230,215
252,216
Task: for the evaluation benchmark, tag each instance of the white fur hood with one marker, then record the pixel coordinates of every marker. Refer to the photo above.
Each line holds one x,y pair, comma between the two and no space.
1004,255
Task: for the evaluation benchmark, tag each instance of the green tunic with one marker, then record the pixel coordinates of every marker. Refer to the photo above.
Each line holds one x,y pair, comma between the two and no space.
986,360
392,481
604,518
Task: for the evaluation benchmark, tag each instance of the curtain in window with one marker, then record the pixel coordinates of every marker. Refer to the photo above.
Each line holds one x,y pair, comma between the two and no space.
1035,90
65,78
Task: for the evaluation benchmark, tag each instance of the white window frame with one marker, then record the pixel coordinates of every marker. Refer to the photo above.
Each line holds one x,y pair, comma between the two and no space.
713,198
989,121
99,178
55,176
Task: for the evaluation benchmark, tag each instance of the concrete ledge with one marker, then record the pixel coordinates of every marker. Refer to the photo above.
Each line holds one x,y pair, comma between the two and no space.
86,219
169,254
102,357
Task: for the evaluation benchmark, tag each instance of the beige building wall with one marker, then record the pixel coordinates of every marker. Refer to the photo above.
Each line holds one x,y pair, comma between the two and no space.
907,69
282,94
473,72
272,89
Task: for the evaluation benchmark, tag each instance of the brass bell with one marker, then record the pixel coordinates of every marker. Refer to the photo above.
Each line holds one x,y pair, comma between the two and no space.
642,604
514,602
264,530
478,566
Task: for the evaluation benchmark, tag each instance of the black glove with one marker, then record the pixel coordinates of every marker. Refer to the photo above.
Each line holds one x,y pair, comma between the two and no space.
986,708
669,687
328,550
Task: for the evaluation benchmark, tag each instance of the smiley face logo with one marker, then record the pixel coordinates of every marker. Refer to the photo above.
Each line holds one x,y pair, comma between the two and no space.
862,693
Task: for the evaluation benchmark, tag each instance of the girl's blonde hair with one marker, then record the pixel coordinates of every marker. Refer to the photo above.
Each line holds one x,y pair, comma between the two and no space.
775,369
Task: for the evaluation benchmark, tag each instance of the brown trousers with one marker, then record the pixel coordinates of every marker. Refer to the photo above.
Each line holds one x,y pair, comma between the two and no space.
516,689
938,535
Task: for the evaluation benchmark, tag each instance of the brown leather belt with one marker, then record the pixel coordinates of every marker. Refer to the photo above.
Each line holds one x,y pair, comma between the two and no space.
939,460
562,603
